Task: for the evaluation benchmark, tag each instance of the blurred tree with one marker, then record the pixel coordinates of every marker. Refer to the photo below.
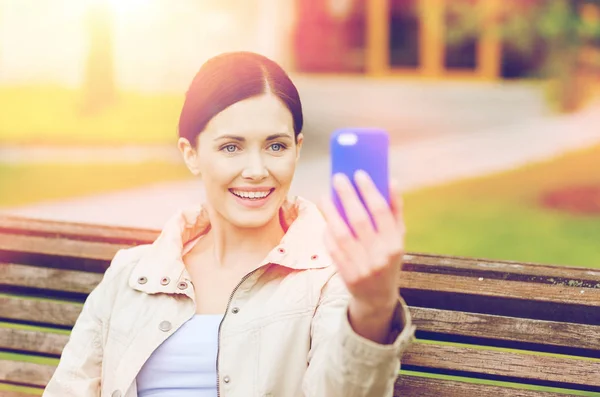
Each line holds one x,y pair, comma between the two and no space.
99,81
568,31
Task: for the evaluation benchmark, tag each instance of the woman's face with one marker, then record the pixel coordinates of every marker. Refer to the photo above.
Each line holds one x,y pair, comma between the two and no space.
246,158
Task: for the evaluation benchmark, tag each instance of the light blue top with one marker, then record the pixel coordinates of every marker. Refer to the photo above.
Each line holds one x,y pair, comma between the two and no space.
186,363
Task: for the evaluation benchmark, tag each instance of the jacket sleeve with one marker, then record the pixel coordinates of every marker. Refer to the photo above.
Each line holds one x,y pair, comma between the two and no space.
79,371
345,364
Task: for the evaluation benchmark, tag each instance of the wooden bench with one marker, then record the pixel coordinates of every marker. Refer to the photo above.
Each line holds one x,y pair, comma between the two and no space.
477,319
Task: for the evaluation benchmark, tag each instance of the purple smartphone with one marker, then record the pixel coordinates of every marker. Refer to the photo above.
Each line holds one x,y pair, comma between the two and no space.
365,149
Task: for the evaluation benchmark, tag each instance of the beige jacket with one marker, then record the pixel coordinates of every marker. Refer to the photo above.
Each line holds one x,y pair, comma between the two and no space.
285,332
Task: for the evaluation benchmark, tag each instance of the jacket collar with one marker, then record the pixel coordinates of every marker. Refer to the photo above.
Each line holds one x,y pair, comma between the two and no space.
161,267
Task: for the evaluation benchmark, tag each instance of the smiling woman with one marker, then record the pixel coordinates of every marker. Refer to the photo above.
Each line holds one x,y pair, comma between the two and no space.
240,131
249,292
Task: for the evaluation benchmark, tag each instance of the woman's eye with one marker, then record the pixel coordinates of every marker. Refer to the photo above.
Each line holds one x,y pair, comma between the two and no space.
229,148
277,147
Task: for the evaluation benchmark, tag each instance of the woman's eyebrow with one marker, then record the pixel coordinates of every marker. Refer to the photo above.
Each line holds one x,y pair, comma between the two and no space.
278,136
242,139
231,137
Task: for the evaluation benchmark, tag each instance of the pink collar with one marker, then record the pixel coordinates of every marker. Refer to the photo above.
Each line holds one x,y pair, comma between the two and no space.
161,267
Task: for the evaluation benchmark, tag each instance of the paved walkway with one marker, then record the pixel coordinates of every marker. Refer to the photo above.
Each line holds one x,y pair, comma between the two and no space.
419,163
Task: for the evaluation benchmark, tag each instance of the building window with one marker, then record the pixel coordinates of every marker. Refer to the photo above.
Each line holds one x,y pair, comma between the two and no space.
459,18
404,34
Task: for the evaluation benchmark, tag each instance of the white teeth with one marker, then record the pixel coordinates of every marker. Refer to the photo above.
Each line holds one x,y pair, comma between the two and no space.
251,195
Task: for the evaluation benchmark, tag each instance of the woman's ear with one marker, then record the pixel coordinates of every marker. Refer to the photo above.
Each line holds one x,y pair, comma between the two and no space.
190,155
299,142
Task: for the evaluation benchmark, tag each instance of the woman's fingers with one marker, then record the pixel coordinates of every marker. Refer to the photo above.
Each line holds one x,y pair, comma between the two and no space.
340,232
375,202
366,260
355,211
351,252
344,265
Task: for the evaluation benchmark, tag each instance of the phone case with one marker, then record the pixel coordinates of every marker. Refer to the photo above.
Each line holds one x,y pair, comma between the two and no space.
353,149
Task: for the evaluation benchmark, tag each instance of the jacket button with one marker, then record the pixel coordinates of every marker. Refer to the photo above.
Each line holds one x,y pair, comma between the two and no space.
165,326
165,280
235,310
182,285
314,257
116,393
226,379
142,280
281,251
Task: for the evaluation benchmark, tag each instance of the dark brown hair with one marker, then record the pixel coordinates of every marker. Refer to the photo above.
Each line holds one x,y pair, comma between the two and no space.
229,78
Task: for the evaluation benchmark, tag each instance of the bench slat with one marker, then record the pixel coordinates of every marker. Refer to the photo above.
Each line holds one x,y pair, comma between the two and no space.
6,393
31,276
58,246
500,365
558,294
24,373
500,328
508,270
39,311
48,278
76,231
504,298
414,386
30,341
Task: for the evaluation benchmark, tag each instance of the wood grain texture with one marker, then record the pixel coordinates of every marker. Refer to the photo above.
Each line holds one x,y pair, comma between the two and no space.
76,231
59,246
48,278
485,326
26,374
559,294
413,386
508,270
39,311
28,341
6,393
501,365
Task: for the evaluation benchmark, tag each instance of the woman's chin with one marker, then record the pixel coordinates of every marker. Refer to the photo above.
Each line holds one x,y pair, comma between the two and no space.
252,218
252,221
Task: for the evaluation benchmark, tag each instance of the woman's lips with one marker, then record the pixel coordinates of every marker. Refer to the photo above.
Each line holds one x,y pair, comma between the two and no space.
252,202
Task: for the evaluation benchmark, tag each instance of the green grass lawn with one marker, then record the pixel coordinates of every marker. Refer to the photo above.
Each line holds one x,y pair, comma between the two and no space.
52,116
500,216
28,184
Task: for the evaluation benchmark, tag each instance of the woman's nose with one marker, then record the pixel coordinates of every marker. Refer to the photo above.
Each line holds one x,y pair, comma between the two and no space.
255,168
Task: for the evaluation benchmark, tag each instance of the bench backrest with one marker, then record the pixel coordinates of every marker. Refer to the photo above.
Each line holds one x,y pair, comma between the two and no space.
478,320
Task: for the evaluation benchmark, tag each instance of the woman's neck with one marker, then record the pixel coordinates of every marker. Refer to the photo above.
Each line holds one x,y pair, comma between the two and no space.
233,247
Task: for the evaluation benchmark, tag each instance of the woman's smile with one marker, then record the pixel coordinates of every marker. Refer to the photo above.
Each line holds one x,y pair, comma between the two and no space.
252,197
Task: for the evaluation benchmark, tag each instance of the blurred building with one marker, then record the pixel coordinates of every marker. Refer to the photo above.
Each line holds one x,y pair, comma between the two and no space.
159,44
412,38
400,37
